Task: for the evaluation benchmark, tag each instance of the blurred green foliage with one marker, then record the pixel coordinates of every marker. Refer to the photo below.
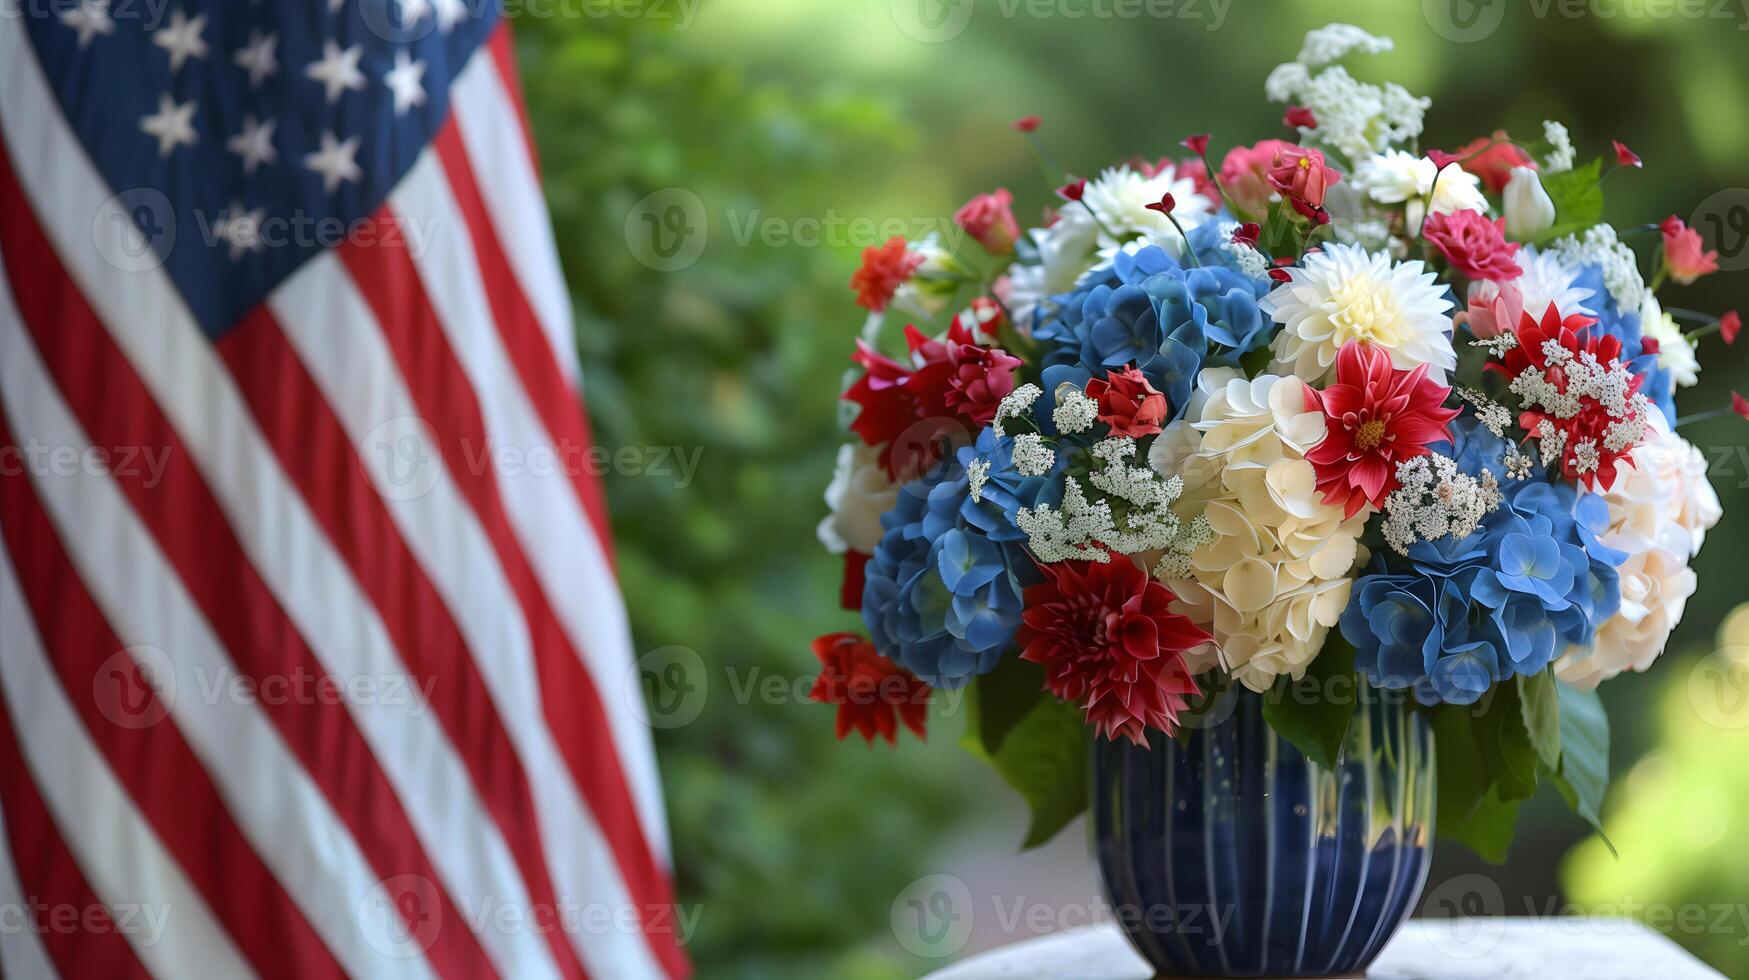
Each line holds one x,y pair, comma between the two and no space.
784,115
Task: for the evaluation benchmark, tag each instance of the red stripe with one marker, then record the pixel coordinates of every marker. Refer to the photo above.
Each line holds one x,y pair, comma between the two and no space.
115,408
560,412
49,874
390,285
320,458
153,763
503,51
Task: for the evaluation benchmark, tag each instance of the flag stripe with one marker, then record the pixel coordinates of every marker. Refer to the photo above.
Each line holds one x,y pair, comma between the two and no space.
324,316
548,390
102,832
185,521
149,757
21,947
318,452
400,305
541,505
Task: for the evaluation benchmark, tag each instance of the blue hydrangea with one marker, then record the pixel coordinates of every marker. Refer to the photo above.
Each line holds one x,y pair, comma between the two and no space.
1145,308
1456,616
1625,326
942,592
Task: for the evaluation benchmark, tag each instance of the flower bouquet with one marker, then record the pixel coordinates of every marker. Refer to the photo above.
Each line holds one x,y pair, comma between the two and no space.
1276,477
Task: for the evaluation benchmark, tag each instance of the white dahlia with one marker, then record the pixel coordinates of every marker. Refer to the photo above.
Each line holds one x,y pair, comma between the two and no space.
1344,293
1276,575
1397,177
1120,197
859,494
1065,251
1660,509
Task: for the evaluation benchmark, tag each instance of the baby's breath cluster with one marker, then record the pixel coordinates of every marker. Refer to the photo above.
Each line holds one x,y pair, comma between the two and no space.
1436,501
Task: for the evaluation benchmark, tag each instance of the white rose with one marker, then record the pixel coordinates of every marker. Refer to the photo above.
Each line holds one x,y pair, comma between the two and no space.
859,494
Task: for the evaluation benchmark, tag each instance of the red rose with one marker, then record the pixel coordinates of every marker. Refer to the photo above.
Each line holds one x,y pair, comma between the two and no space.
1128,403
1684,253
1494,164
1475,246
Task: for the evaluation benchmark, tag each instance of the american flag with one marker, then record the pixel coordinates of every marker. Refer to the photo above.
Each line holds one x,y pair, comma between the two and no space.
298,680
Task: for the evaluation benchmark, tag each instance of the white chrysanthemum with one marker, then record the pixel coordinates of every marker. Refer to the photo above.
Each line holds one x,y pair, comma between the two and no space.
859,494
1276,575
1547,279
1396,177
1660,509
1065,250
1675,351
1120,197
1332,42
1344,293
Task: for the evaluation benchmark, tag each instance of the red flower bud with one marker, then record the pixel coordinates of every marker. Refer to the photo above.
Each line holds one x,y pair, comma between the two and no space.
1442,159
1739,404
1729,325
1197,143
1166,205
1650,345
1247,233
1625,156
1073,190
1026,124
1300,116
1280,275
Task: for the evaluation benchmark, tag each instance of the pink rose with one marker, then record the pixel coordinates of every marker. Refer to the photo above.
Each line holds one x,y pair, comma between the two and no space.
1493,309
1476,247
1245,174
989,218
1301,176
1683,252
1128,403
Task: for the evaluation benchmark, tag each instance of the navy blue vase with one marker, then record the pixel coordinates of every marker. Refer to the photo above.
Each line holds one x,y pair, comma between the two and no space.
1233,855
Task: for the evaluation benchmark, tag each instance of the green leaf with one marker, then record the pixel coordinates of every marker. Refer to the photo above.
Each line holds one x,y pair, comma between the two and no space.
1504,745
1313,713
1584,772
1005,696
1542,716
1044,757
1489,828
1578,198
1469,810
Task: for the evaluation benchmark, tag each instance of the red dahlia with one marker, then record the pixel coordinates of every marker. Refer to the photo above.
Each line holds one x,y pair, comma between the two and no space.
1375,417
952,382
884,269
872,693
1108,641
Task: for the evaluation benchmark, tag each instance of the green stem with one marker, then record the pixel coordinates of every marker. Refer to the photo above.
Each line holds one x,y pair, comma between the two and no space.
1195,263
1053,172
1701,417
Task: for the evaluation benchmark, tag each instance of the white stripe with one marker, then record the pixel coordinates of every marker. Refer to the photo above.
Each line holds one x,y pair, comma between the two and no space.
276,805
541,502
497,148
282,540
339,341
115,849
22,956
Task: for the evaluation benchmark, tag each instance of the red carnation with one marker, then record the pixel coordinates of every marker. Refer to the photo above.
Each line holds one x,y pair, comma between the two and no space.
872,693
1475,246
1301,176
1592,423
1109,642
1625,156
989,219
1128,403
1197,143
884,269
1073,190
1026,124
1300,116
953,382
1375,417
1729,326
1493,164
1684,252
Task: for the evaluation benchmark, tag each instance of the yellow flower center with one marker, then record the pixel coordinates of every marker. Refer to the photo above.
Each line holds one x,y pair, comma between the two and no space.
1369,435
1305,163
1361,310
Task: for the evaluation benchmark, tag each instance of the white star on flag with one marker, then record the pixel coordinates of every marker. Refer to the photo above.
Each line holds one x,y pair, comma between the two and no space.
241,229
89,19
257,57
404,81
182,38
172,124
335,161
413,11
254,144
450,13
338,69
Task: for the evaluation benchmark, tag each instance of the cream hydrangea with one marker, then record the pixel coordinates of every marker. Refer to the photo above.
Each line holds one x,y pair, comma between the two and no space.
860,492
1660,509
1396,177
1276,575
1343,293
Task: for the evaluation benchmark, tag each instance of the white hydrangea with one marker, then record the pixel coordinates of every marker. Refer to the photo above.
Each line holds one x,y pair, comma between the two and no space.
1275,574
1560,156
1660,509
1621,270
859,494
1343,293
1676,352
1398,177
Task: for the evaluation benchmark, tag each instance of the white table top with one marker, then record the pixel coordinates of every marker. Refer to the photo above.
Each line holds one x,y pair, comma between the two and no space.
1425,949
